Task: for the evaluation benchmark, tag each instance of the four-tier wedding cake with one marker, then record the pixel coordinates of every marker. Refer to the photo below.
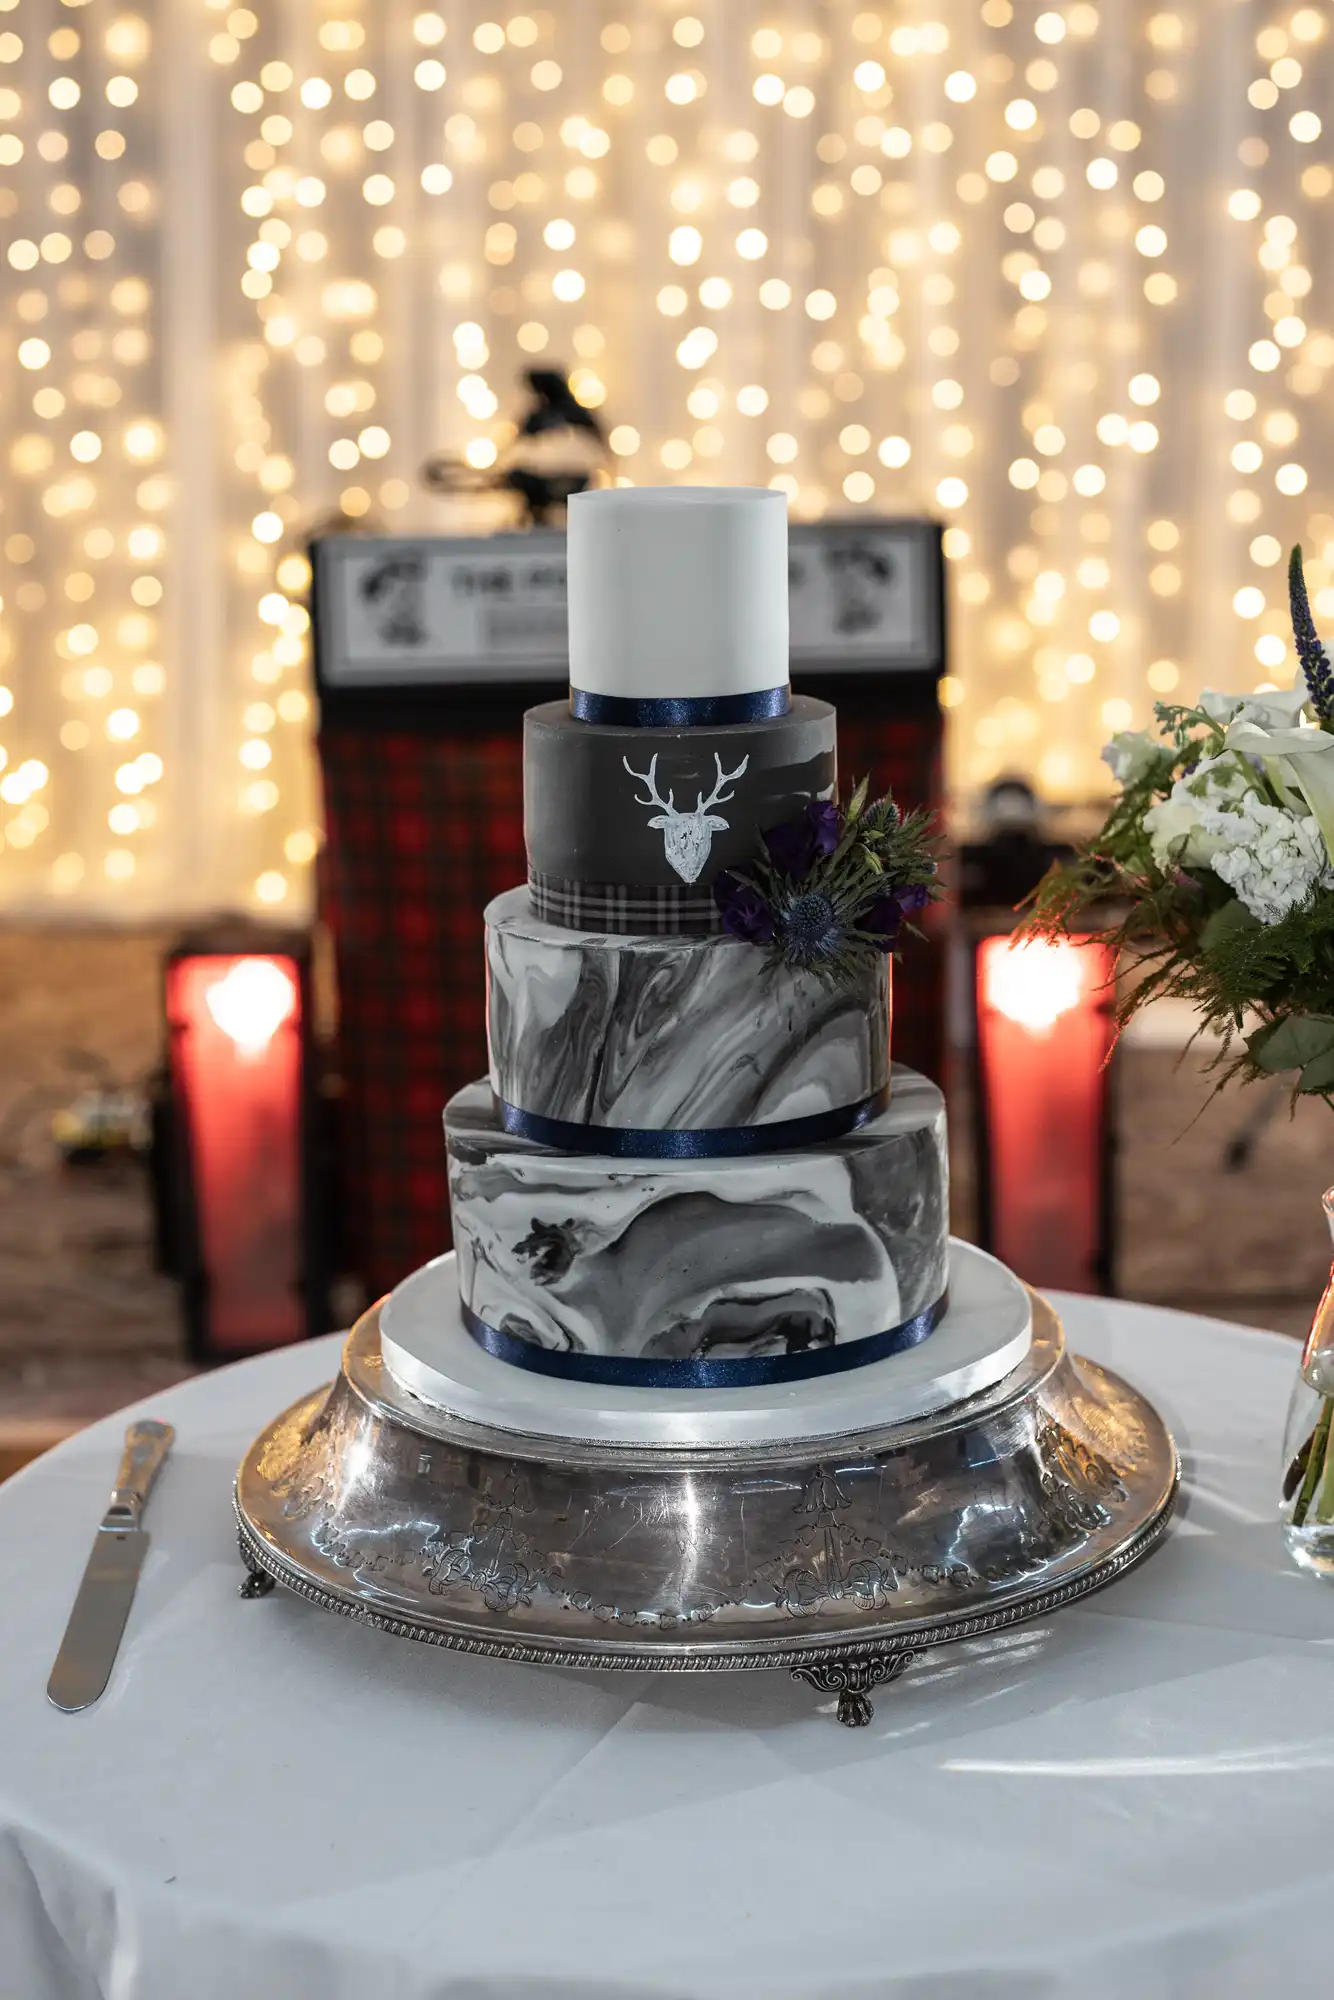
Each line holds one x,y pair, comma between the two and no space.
692,1164
688,1393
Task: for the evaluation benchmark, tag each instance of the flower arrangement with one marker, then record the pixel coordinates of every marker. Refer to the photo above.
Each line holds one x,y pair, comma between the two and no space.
832,886
1216,866
1218,856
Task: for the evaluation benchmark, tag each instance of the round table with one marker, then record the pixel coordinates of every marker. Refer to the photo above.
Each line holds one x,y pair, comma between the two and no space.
1135,1795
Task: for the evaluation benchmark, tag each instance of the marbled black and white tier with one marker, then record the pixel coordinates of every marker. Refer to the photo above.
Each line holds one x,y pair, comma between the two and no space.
635,849
672,1034
662,1260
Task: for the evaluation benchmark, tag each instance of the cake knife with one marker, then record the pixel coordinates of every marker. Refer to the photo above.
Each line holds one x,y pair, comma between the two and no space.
92,1636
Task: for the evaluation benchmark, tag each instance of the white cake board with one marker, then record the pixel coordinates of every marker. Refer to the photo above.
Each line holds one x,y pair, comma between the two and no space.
429,1352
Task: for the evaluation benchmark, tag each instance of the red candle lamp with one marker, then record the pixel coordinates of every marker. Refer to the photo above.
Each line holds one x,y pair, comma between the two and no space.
1045,1027
1039,1019
238,1152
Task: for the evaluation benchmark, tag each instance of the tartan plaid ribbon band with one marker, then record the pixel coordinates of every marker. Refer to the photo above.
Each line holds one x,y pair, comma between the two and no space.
702,1371
622,908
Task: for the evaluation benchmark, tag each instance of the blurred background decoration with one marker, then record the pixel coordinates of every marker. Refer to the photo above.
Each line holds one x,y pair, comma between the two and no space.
1035,1032
556,450
1046,274
241,1154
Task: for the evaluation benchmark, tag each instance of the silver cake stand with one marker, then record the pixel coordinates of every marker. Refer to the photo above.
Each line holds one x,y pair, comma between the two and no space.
838,1558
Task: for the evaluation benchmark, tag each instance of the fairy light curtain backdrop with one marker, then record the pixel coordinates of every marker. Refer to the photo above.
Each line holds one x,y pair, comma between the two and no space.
1057,275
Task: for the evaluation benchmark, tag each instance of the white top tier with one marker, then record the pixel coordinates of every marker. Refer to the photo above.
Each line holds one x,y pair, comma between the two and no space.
677,591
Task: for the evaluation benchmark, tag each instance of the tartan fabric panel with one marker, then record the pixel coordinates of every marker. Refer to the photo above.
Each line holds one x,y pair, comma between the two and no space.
423,829
620,910
424,825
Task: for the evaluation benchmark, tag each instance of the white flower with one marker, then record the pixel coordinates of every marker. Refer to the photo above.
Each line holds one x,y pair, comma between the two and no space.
1298,762
1220,816
1130,753
1279,709
1278,859
1183,827
1173,826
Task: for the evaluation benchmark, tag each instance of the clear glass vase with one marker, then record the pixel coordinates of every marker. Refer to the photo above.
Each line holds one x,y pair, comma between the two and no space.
1308,1442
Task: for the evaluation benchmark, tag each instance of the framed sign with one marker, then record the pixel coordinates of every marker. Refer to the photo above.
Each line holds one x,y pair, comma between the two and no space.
866,596
389,613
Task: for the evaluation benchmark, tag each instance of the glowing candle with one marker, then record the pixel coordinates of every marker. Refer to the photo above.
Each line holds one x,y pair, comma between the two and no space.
1044,1023
236,1063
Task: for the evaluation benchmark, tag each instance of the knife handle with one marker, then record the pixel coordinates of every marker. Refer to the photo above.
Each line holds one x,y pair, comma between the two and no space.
146,1446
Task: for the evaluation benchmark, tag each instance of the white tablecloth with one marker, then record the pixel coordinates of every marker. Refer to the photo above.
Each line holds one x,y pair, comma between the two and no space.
1134,1797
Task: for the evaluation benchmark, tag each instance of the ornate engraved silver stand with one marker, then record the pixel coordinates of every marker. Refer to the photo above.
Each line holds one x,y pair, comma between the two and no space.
839,1558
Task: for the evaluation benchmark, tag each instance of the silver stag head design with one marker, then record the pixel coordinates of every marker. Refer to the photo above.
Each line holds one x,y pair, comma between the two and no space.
687,836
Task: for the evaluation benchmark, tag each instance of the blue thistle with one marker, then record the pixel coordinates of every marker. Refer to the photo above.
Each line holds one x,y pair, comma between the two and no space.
1315,660
811,930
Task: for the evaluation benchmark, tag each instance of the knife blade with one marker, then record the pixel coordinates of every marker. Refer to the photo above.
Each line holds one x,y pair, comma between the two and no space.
92,1636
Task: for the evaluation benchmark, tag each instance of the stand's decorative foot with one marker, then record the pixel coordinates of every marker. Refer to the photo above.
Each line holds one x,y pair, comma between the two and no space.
256,1583
851,1681
854,1710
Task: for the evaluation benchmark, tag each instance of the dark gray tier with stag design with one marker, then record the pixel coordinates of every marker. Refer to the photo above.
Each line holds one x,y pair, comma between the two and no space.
670,1034
626,828
667,1259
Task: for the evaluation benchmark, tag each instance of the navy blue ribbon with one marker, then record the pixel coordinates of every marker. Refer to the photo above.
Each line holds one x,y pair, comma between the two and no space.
699,1372
690,712
707,1142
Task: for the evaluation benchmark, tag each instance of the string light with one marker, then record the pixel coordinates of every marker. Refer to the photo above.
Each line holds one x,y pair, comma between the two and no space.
971,305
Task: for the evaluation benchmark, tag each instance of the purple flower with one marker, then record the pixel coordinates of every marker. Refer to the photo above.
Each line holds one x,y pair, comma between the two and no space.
882,921
885,916
745,913
1316,668
796,846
